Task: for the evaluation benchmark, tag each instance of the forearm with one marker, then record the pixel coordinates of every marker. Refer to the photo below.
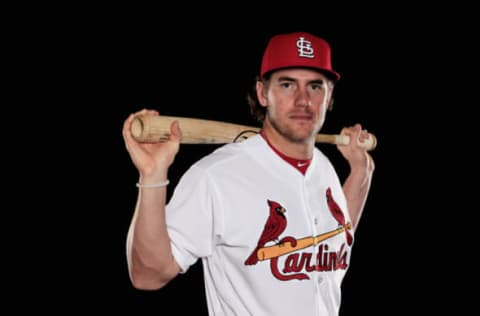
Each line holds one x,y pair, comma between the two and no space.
150,260
356,188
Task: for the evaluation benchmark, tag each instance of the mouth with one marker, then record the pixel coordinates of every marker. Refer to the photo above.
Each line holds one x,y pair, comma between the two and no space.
301,116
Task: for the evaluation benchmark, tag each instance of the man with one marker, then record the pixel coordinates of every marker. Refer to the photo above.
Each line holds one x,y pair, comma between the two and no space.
268,216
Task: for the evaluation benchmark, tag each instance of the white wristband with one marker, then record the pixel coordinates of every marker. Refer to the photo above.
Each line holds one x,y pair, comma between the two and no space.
154,185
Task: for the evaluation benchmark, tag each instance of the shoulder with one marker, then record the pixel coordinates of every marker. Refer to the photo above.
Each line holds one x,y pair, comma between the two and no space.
323,162
320,156
230,153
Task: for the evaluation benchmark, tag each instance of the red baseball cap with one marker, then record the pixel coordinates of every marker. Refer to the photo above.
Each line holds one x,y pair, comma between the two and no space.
298,49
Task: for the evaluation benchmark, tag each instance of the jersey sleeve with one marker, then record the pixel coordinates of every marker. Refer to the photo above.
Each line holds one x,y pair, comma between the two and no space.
189,218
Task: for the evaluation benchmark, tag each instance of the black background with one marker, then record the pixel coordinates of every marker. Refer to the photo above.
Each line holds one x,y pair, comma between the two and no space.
90,69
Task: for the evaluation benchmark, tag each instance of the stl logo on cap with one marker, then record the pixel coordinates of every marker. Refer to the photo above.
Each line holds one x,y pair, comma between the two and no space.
298,49
305,48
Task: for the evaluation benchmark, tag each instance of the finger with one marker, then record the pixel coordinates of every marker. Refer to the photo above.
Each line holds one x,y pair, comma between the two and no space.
126,127
145,111
364,135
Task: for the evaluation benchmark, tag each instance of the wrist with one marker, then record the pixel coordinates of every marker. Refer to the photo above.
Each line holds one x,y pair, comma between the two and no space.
153,184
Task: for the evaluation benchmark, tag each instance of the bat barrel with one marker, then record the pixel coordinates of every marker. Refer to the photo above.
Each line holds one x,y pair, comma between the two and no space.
154,128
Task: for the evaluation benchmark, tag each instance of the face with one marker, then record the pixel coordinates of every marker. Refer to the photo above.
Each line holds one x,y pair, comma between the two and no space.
296,101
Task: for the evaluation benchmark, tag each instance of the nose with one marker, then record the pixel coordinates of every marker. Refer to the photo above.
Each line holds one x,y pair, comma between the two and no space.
303,98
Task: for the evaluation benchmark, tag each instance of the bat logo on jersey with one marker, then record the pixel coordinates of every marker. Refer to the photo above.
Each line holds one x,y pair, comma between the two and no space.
326,259
275,225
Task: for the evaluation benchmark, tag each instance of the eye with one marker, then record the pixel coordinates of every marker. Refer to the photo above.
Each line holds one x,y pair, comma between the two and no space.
286,84
317,86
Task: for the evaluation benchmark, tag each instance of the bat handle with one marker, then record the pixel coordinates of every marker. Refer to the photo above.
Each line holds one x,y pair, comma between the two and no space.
369,144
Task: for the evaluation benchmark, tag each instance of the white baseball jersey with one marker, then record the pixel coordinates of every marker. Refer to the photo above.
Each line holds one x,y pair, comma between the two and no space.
219,211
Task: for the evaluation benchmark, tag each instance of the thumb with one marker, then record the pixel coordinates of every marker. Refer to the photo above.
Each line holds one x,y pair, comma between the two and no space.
175,132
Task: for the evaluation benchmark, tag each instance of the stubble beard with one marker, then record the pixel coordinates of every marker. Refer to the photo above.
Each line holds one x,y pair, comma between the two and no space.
290,134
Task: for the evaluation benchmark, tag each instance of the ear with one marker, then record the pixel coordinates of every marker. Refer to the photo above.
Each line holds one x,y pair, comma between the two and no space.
260,87
330,104
330,101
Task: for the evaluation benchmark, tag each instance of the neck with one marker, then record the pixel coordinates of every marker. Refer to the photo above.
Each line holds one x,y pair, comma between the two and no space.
301,150
300,164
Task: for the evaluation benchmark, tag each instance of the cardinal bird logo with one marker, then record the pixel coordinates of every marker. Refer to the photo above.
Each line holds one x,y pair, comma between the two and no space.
338,214
275,225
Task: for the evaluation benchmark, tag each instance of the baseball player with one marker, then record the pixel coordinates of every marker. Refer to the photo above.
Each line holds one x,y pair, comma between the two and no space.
268,216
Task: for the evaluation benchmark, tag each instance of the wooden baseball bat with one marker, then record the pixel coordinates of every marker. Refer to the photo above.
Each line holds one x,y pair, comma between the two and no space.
156,128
